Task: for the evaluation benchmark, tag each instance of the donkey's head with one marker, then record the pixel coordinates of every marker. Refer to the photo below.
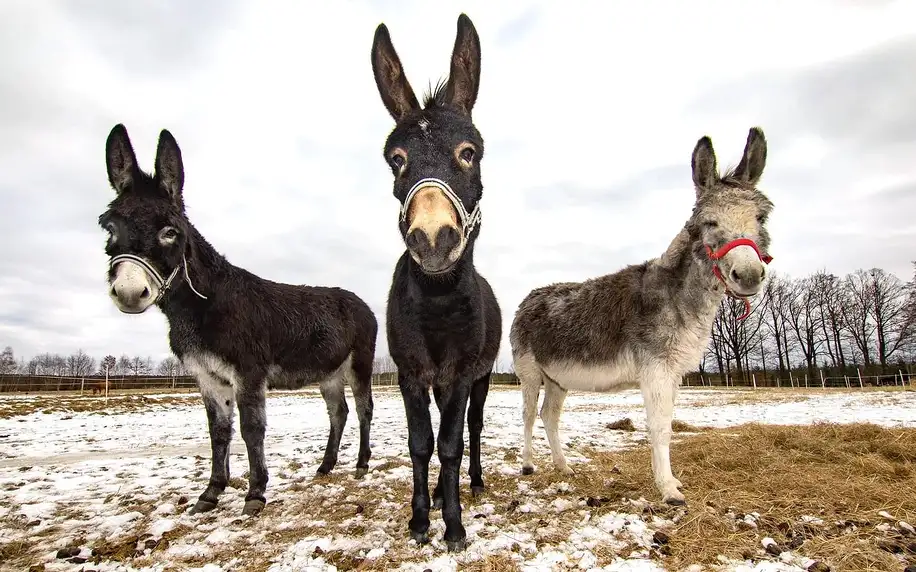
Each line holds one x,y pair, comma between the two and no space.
729,219
434,151
147,228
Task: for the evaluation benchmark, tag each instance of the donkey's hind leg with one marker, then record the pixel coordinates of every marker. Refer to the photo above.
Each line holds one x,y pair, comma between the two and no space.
360,378
332,390
530,377
551,409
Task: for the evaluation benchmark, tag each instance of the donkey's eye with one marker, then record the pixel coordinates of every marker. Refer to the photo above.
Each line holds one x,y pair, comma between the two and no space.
168,235
761,219
397,162
467,155
710,224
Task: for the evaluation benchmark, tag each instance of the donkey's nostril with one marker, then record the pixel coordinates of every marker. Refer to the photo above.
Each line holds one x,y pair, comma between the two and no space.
735,275
144,294
416,239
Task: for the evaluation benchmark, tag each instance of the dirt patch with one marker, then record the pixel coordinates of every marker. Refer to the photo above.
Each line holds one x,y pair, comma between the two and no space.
625,424
817,489
17,407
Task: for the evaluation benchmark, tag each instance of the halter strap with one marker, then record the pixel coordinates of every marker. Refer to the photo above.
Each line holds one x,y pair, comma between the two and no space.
154,275
716,255
468,220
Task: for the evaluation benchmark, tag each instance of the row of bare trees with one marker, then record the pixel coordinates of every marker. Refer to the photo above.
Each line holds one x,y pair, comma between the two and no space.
80,364
865,321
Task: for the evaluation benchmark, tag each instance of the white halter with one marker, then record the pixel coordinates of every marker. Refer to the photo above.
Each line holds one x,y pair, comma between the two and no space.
154,275
469,221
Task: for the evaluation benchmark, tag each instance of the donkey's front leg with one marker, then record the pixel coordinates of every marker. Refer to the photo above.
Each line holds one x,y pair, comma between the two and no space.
253,421
659,394
219,401
420,444
451,450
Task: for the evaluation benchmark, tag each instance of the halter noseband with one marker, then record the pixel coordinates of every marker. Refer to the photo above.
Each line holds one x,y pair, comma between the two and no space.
154,275
468,220
716,255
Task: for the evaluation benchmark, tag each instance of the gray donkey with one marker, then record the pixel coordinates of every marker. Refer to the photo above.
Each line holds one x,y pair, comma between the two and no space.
647,324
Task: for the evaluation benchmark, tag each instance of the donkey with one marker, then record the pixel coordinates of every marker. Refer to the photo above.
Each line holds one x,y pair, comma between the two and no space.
648,323
234,331
443,320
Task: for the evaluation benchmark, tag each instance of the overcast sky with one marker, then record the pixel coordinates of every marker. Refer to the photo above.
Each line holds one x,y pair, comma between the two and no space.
589,113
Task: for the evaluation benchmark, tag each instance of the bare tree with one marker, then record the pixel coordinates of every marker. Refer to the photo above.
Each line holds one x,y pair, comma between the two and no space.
7,361
774,316
170,366
384,364
137,366
893,321
123,366
80,364
831,297
804,320
108,364
857,310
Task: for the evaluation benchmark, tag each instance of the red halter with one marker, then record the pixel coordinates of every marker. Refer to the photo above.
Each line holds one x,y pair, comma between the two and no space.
716,255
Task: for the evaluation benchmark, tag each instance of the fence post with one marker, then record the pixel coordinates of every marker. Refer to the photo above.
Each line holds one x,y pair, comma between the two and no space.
846,377
823,386
754,379
806,381
106,385
82,384
859,371
791,381
901,378
778,382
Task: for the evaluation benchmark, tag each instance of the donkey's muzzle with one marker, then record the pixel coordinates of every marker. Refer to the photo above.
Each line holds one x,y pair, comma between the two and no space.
748,277
434,254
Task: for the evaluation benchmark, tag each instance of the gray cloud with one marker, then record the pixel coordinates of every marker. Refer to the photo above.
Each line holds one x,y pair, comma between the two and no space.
857,102
615,195
516,29
151,37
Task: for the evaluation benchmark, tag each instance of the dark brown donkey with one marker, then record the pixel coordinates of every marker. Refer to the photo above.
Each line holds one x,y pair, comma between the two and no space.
443,320
235,332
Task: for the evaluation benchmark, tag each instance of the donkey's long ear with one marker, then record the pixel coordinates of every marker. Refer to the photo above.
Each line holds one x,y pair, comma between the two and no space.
464,75
169,168
703,164
754,160
397,95
120,159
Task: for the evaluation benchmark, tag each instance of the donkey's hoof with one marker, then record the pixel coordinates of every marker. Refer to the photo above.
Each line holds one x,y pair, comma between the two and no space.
202,506
419,537
477,490
527,469
253,507
437,503
360,472
675,499
323,470
566,471
456,545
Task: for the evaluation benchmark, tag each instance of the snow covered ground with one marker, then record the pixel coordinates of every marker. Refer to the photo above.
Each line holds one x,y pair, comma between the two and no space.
121,480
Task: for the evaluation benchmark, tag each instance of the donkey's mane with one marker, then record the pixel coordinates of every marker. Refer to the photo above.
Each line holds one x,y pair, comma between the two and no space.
435,94
729,178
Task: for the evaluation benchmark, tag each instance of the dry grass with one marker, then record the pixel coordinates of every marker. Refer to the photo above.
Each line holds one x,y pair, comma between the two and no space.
10,408
838,473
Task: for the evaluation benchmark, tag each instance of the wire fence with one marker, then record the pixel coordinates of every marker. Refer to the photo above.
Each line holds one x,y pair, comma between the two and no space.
757,380
151,384
141,384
